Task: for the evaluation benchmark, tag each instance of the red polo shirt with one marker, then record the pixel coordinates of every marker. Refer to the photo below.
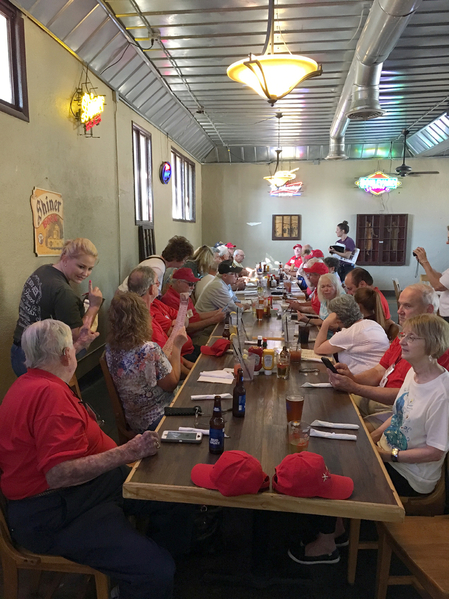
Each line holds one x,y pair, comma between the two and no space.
42,424
172,298
294,261
163,317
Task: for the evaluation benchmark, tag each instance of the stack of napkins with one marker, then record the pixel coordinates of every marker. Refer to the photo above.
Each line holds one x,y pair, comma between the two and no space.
225,376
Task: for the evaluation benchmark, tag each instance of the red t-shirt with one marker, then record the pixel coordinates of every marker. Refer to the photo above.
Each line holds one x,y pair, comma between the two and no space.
315,302
384,303
393,355
171,298
162,320
294,261
42,424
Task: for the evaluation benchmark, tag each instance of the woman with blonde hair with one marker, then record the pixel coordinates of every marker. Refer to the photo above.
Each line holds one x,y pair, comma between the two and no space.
143,375
370,306
47,294
201,262
329,286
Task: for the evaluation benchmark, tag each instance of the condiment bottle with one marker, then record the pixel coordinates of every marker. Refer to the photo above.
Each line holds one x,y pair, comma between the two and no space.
239,397
283,368
216,429
268,361
226,329
257,352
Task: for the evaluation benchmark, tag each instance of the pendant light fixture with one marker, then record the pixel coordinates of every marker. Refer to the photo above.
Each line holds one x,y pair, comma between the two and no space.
280,178
271,75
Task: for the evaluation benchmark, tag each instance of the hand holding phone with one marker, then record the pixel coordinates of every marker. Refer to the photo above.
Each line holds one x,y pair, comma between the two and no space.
329,365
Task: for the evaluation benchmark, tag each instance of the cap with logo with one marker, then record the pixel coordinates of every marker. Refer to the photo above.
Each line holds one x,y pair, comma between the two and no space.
234,473
185,274
226,267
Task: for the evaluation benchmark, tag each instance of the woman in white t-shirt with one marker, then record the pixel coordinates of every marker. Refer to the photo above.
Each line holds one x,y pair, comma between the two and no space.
415,440
360,344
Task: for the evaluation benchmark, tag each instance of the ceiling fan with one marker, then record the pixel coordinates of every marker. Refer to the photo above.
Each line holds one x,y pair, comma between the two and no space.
404,170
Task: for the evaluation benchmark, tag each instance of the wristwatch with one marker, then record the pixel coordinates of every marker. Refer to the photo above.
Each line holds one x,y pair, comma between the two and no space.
394,454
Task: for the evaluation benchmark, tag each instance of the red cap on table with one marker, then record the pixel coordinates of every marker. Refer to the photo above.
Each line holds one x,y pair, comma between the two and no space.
219,348
234,473
306,475
185,274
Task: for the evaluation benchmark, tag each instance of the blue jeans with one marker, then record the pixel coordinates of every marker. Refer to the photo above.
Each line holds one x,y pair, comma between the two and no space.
18,360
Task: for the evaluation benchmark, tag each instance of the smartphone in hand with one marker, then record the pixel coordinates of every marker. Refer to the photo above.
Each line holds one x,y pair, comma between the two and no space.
329,364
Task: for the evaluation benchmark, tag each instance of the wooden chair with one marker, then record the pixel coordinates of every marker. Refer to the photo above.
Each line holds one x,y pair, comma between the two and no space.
422,544
425,505
147,245
15,558
397,290
124,432
73,384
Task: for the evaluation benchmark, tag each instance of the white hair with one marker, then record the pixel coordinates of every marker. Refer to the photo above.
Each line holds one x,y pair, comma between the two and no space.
222,250
44,342
428,295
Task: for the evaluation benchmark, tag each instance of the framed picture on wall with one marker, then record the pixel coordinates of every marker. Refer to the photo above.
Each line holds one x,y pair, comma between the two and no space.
286,227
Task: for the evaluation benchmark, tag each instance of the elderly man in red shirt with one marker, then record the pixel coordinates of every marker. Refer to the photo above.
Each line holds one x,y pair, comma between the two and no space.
359,277
183,281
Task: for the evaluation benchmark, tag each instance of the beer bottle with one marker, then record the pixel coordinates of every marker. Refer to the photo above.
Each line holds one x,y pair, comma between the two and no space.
239,397
226,329
216,428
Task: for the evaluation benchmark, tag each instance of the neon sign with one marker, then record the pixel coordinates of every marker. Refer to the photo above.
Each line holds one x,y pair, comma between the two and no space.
91,109
378,183
165,172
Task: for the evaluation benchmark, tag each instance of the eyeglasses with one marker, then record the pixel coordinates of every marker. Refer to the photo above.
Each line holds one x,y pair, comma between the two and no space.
408,337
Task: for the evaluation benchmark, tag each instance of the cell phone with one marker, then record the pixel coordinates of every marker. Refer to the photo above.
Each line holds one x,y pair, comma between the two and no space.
183,411
181,437
329,365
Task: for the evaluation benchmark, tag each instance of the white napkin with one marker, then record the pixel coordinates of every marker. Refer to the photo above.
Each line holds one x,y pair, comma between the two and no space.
188,429
322,385
310,355
222,395
315,433
225,376
335,425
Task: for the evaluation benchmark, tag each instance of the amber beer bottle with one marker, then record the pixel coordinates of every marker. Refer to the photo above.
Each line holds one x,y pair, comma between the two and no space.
239,397
216,428
226,329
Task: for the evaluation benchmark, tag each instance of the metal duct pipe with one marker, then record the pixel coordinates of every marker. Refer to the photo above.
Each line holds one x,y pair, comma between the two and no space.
359,99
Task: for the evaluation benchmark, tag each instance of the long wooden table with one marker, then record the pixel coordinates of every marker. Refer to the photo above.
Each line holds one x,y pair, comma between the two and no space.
262,433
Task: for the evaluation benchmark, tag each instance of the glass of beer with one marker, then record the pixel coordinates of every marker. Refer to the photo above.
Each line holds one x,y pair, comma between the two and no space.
295,405
298,436
288,286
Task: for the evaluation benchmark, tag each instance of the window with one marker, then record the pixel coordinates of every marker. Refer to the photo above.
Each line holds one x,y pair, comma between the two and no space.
13,88
183,207
382,239
143,187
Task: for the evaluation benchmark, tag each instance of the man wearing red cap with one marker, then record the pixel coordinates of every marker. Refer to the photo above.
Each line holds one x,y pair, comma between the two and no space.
183,281
295,261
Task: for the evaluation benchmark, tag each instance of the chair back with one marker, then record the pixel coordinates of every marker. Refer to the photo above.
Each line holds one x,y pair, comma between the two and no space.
432,504
124,432
147,245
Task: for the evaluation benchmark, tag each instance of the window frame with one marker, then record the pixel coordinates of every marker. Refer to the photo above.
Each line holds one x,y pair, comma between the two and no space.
137,130
190,166
16,29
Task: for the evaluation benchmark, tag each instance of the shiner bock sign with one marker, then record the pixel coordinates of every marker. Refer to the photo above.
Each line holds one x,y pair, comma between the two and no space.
48,222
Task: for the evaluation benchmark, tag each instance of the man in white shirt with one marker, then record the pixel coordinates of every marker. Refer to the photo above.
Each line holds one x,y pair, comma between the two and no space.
218,293
176,252
438,280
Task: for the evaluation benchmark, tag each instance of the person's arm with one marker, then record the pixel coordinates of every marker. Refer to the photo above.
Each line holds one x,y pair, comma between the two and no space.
433,275
418,455
81,470
170,381
313,319
369,388
85,337
301,306
322,345
346,254
378,432
95,302
213,318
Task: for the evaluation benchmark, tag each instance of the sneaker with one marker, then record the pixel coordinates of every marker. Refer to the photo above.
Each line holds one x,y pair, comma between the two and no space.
342,540
310,560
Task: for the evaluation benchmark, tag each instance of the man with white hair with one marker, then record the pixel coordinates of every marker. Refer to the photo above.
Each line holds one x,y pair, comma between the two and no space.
63,476
378,387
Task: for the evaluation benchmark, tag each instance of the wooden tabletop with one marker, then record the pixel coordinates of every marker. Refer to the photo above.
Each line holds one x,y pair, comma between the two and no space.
263,434
269,328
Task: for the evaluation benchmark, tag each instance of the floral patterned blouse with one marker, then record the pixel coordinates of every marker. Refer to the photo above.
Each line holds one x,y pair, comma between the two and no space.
135,373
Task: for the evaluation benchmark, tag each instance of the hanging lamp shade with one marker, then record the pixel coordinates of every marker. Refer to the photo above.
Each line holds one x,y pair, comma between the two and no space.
273,76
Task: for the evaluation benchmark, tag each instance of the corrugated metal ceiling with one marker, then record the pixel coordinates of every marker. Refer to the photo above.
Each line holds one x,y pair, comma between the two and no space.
179,81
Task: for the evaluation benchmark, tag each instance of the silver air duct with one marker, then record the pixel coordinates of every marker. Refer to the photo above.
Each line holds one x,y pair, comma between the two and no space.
359,99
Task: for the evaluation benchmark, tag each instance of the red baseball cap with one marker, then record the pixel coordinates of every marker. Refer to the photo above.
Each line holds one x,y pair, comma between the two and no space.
234,473
298,245
306,475
219,348
317,254
230,245
319,268
185,274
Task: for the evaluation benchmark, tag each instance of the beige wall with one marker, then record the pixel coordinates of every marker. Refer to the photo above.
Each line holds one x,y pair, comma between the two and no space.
240,195
94,176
